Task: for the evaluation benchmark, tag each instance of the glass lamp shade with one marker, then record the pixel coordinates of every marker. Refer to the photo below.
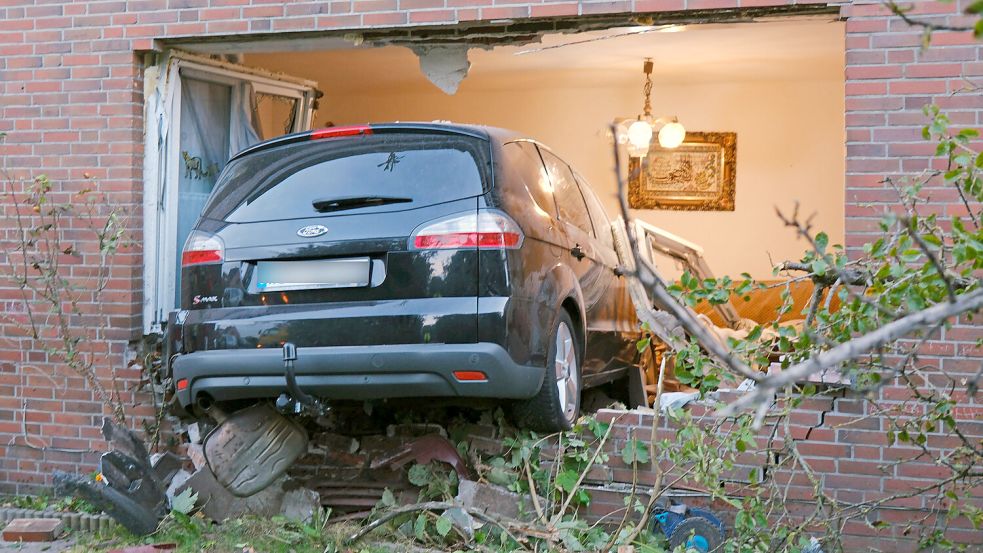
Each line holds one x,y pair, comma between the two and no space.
639,138
671,135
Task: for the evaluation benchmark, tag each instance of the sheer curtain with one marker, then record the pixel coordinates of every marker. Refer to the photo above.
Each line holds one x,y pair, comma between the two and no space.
216,123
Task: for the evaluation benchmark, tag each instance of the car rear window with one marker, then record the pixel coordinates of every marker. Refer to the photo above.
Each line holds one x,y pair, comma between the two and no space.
285,182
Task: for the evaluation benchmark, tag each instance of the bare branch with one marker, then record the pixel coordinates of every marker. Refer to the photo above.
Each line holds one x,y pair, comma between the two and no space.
929,27
847,351
646,274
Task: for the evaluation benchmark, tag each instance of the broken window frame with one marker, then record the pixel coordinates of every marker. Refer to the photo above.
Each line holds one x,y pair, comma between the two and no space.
162,158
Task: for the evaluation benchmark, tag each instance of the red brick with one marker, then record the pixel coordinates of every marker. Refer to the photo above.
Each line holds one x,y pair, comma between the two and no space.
561,9
431,16
659,5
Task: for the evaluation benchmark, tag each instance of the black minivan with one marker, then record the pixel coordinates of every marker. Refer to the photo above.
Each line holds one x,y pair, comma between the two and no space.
402,261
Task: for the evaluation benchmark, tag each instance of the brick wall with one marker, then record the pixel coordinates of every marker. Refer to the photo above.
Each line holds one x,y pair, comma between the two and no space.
841,437
71,102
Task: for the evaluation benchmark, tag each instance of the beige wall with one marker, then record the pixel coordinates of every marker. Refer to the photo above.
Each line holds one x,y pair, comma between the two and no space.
790,143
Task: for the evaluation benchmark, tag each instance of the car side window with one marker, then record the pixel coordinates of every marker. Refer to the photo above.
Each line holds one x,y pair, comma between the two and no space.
524,157
602,225
569,200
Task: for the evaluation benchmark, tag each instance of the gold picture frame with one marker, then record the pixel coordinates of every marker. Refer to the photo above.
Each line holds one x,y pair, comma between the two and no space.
699,175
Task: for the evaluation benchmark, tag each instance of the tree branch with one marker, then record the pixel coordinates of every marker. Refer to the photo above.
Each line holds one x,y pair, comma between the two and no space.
927,25
650,279
969,302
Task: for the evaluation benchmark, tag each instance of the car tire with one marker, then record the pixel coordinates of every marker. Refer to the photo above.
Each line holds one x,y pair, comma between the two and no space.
557,405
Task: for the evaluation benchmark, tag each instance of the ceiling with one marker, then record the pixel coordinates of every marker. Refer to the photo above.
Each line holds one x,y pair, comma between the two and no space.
788,49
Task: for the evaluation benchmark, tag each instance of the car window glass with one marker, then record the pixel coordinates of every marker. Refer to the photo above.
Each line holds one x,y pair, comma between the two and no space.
524,157
286,182
569,201
602,225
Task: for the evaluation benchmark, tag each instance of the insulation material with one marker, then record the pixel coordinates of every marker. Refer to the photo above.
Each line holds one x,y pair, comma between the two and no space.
445,65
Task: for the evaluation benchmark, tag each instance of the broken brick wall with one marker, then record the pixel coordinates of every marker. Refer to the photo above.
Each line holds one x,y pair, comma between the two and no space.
71,102
842,439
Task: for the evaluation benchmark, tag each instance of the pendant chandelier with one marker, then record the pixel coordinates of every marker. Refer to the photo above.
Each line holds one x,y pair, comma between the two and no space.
637,136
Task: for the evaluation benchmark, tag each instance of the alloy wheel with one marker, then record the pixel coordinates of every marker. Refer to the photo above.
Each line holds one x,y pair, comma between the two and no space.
565,368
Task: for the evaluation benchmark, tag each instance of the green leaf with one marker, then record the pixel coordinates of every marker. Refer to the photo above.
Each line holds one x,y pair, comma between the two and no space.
443,526
184,502
420,527
419,475
635,451
566,480
819,266
501,476
642,344
822,240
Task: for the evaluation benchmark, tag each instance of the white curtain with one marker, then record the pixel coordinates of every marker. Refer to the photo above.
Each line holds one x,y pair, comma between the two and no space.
216,123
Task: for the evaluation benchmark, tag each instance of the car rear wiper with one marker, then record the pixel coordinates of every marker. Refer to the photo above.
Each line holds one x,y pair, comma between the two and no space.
352,202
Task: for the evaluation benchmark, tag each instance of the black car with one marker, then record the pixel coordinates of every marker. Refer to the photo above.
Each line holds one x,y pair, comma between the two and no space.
402,261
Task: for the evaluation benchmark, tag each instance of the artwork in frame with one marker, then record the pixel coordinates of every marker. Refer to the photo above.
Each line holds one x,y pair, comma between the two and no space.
699,175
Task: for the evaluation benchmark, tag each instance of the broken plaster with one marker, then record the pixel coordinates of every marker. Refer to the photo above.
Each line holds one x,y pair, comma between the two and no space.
445,65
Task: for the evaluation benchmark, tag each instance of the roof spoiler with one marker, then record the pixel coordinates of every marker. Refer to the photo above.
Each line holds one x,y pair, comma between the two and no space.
360,130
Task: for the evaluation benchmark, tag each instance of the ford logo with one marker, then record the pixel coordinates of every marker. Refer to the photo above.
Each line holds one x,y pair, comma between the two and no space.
311,231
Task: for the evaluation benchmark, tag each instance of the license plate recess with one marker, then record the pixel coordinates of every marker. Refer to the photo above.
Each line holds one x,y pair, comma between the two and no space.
313,274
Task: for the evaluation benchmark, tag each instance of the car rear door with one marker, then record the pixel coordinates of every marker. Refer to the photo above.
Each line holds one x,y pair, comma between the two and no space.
617,326
582,255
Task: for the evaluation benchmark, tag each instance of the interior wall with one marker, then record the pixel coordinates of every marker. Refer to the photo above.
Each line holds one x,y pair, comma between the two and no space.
790,143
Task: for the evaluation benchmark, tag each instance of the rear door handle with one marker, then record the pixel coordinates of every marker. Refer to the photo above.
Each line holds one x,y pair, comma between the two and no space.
578,252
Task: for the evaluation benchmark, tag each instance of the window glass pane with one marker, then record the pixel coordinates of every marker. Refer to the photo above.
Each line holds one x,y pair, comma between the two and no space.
569,201
524,158
285,182
206,109
274,115
602,225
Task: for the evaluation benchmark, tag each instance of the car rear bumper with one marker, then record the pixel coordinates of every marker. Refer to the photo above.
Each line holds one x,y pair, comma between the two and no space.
357,372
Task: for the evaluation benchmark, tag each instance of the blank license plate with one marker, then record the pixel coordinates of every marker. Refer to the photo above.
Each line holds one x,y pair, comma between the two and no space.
313,275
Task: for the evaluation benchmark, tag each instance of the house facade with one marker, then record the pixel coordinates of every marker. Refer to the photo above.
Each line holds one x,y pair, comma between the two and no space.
80,101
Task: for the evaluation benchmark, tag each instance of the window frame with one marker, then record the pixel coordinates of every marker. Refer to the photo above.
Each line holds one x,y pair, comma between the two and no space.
162,159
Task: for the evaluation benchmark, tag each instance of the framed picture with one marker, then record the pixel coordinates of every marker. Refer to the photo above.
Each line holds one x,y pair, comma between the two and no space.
699,175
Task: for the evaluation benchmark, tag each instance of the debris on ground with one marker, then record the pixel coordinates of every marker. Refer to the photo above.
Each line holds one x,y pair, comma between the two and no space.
240,468
127,489
249,450
495,500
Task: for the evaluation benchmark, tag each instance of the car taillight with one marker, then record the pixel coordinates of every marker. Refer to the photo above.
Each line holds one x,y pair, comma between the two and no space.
335,132
482,230
202,247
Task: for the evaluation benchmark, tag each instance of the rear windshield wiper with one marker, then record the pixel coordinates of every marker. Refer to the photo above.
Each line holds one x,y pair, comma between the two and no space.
351,202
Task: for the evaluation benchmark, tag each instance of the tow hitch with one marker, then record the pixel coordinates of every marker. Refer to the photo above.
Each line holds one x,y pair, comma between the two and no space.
296,400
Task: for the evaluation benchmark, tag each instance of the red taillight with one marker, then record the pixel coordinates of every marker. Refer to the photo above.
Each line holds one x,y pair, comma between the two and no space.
202,256
202,247
182,384
335,132
482,230
470,376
